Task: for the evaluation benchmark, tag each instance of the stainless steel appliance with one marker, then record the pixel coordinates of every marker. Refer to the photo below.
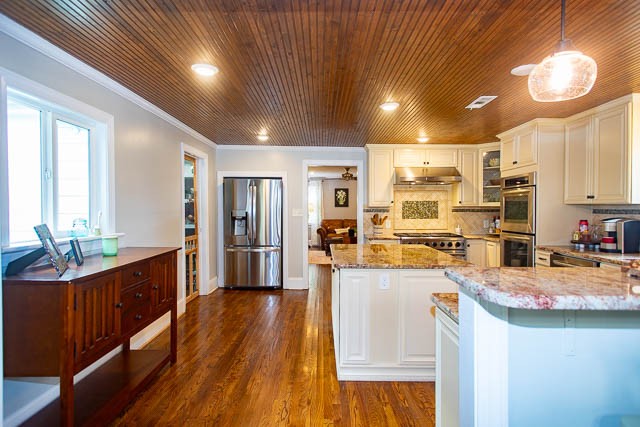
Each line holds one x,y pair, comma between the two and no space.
516,249
449,243
423,176
558,260
518,220
625,233
252,227
518,204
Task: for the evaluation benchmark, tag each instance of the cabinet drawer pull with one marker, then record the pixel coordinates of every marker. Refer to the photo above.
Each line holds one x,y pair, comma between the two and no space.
138,316
515,162
118,305
155,287
137,273
591,197
138,295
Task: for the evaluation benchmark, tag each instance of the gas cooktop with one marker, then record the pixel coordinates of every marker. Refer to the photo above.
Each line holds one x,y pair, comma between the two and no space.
427,235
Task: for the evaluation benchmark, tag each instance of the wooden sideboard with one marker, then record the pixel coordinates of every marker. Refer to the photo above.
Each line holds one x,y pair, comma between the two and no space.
56,327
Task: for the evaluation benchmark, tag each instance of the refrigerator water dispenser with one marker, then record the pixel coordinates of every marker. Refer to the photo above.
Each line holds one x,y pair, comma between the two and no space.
239,223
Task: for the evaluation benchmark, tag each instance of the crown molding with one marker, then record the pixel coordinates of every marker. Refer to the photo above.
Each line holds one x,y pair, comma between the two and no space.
288,148
23,35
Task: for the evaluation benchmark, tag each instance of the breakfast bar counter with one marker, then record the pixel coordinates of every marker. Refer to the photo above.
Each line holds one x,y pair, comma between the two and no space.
377,256
547,346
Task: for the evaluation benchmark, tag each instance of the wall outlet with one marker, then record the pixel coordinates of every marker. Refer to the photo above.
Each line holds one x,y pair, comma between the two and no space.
384,281
387,224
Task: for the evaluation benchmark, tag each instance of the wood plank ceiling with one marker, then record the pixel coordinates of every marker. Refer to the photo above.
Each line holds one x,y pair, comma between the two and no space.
312,73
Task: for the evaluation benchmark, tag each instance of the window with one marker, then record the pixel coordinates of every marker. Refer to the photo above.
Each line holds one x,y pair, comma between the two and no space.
56,168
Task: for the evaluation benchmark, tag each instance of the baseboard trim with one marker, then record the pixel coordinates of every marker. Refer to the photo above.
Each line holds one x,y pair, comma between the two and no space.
211,286
296,283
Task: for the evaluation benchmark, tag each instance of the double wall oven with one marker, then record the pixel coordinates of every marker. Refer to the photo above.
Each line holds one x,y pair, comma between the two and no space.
518,220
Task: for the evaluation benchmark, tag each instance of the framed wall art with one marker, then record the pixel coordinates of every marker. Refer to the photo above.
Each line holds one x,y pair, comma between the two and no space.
341,197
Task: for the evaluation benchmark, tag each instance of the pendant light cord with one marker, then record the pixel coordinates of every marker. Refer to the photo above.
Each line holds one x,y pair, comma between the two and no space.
562,13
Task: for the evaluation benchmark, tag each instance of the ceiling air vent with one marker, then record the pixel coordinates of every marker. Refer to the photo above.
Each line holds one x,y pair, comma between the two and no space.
480,102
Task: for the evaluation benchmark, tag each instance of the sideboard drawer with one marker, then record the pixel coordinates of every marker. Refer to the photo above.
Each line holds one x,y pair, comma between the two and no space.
135,274
136,307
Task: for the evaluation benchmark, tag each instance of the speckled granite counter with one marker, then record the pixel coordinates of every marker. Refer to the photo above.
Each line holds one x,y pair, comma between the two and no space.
620,259
550,288
487,237
447,302
381,237
391,256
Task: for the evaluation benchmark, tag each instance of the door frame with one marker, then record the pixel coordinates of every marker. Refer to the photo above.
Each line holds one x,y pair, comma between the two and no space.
359,165
202,196
285,219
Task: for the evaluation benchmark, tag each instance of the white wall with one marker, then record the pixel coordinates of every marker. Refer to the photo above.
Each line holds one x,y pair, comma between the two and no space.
147,151
275,159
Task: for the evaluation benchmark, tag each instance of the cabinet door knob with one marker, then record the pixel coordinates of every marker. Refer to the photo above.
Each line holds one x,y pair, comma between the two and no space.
515,162
138,316
118,305
155,287
138,295
137,273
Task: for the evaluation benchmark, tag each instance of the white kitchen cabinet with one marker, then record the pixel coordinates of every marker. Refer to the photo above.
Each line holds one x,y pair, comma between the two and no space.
543,258
519,147
380,176
599,155
466,193
489,178
385,323
425,157
447,371
492,254
476,252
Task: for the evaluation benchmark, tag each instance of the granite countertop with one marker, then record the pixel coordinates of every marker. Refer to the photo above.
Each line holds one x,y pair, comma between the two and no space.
613,258
391,256
488,237
385,236
447,302
550,288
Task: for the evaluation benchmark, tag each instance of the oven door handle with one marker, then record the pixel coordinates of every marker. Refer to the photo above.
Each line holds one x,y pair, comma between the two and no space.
514,237
517,191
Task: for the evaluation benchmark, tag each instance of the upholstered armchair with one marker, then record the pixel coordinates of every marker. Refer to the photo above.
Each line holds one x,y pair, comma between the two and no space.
336,228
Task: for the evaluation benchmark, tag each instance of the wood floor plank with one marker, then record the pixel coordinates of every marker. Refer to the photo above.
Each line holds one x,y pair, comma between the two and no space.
266,358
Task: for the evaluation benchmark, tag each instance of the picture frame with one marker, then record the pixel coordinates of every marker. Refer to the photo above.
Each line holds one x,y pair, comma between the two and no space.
341,197
56,257
77,251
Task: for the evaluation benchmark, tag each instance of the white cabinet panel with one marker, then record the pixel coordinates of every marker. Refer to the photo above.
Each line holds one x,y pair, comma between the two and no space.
507,154
493,254
380,179
442,158
354,317
468,188
519,147
447,371
610,156
417,311
543,258
410,157
527,147
476,250
577,183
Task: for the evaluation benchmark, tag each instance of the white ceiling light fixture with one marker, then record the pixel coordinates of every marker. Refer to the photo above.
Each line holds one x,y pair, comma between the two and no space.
523,70
205,69
389,105
565,74
263,137
422,139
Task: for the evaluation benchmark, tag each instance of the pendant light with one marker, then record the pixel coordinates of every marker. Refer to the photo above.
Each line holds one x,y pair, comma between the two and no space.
563,75
347,176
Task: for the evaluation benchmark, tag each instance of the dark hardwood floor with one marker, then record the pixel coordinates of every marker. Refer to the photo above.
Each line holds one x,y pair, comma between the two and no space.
264,358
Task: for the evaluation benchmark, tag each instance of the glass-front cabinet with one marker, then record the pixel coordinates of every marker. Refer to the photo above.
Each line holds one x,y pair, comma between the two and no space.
490,176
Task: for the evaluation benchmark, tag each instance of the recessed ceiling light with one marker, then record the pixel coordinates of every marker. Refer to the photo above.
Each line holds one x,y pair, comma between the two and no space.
389,105
422,139
204,69
263,137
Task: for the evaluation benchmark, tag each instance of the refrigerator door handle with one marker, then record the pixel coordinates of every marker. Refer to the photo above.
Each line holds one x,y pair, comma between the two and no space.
250,215
253,213
253,249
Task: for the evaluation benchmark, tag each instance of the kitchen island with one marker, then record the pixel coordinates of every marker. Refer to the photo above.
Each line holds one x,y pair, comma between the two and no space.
382,313
548,346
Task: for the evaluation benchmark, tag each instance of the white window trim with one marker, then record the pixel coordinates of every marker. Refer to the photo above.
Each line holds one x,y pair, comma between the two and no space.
104,123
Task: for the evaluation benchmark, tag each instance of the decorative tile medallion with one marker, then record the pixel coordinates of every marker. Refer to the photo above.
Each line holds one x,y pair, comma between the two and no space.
420,209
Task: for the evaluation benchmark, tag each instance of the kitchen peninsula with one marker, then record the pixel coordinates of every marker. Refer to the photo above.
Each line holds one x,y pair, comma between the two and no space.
382,313
548,346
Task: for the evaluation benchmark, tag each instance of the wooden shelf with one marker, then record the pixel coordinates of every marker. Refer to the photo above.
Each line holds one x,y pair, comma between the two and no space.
108,389
491,167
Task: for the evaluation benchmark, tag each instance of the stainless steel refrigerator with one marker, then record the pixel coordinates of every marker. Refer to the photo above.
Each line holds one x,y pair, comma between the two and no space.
252,232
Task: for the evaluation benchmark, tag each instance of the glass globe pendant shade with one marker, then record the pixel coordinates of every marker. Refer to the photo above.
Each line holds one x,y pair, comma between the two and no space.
564,75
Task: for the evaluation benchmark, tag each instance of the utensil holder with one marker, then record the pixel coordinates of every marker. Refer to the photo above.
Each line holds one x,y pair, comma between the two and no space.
377,229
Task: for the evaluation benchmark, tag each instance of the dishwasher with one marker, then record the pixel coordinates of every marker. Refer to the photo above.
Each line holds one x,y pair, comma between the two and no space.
558,260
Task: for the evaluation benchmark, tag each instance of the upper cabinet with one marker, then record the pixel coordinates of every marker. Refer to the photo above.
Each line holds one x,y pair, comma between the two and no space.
380,176
600,154
480,171
519,147
467,194
425,157
490,175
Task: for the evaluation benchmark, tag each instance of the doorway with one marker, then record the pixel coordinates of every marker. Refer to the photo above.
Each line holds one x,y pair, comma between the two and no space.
192,283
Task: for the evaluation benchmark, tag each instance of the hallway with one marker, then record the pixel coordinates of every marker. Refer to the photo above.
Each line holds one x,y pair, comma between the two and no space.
251,358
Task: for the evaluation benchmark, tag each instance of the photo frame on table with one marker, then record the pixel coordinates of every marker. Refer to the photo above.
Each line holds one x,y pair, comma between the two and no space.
341,197
77,251
51,247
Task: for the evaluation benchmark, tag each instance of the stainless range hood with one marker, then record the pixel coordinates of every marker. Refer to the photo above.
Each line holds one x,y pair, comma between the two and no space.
424,176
